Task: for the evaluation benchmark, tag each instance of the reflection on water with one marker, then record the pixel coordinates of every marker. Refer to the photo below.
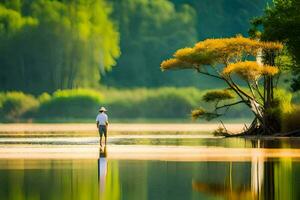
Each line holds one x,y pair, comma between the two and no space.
265,174
269,180
102,172
204,180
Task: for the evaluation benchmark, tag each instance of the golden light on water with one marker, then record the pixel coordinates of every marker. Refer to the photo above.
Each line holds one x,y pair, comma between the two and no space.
145,152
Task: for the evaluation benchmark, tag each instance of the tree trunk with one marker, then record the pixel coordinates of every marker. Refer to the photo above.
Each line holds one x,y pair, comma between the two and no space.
271,123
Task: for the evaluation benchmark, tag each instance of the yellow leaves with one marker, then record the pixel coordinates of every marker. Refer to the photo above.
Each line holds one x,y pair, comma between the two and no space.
236,46
241,66
184,52
174,63
223,51
187,55
229,47
193,57
250,70
270,70
273,46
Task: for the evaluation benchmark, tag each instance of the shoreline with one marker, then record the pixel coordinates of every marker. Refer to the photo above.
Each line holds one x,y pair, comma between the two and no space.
147,152
118,127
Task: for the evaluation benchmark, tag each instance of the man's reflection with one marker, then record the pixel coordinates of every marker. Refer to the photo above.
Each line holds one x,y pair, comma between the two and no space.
102,170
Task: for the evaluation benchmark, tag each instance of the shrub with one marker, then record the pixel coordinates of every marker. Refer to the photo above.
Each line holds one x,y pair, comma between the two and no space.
290,120
296,97
14,105
285,113
284,99
165,102
281,105
76,103
45,97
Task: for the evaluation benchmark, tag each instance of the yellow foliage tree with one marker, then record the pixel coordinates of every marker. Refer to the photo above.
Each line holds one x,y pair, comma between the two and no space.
248,59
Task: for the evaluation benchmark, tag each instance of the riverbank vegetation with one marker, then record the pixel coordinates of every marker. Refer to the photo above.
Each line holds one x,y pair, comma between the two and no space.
161,103
165,104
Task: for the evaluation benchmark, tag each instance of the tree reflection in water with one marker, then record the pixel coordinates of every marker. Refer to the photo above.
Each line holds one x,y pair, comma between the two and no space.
270,179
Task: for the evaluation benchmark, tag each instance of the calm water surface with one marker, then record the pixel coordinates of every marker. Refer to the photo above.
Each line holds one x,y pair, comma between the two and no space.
148,167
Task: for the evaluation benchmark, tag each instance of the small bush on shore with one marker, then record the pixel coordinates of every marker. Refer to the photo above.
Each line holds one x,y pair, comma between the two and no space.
14,105
76,103
165,102
158,103
291,120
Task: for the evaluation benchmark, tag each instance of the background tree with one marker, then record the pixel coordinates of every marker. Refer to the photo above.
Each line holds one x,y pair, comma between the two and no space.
71,38
224,18
150,31
227,60
281,22
49,45
148,38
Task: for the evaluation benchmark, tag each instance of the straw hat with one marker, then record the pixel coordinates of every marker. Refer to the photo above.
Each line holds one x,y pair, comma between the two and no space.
102,109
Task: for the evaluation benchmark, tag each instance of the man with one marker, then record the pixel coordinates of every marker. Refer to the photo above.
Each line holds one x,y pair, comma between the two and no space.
102,123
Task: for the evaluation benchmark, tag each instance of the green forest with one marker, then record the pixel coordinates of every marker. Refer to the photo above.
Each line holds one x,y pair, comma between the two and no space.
50,45
150,31
63,58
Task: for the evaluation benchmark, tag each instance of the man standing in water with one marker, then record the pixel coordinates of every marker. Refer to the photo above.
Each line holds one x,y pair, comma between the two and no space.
102,123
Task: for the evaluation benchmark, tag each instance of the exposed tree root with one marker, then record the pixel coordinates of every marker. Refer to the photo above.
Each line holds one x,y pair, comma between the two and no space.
294,133
258,132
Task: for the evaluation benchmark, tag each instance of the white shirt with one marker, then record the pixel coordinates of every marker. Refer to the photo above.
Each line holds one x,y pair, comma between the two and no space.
102,118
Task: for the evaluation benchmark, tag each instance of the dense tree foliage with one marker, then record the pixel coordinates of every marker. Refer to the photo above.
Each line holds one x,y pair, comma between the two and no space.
281,22
49,45
150,31
224,18
227,59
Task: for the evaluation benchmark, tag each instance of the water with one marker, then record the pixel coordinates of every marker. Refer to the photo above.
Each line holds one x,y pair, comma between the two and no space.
59,166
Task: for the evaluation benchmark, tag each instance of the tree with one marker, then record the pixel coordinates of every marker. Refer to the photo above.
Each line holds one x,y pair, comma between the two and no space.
12,25
281,22
150,31
67,45
228,60
148,38
223,18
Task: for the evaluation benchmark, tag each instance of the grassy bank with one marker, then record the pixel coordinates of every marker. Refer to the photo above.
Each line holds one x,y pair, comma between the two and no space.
139,105
80,105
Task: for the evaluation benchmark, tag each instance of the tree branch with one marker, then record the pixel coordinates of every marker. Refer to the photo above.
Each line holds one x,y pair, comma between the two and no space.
231,84
233,88
251,90
258,91
208,74
228,105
